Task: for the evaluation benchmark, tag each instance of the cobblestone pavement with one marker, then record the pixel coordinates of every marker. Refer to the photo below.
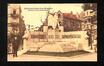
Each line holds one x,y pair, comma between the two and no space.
81,57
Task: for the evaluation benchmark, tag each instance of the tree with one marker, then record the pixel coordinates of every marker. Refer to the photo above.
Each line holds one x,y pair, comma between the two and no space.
87,6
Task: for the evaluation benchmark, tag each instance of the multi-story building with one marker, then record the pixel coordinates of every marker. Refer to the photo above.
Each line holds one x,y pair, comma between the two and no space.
91,17
15,19
90,21
63,21
71,22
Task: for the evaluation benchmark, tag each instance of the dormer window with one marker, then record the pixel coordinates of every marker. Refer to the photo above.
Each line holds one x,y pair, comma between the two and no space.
59,15
14,11
14,14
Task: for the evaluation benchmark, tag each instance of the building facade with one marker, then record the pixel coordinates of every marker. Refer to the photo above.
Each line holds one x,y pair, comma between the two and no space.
90,22
15,21
90,18
71,22
62,21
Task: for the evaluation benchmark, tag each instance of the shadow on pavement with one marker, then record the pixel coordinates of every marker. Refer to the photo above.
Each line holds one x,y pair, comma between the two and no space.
59,54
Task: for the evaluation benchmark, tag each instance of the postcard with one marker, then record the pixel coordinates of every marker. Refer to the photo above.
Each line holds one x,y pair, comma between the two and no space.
52,32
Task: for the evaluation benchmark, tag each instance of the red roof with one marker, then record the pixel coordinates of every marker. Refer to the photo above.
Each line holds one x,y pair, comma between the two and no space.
70,16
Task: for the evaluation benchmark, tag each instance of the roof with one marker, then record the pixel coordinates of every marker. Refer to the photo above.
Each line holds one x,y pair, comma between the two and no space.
70,16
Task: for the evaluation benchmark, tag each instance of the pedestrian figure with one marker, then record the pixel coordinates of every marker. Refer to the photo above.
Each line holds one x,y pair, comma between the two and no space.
90,40
15,41
15,46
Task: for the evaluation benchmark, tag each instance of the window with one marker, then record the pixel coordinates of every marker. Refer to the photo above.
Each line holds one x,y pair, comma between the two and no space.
14,11
91,11
59,15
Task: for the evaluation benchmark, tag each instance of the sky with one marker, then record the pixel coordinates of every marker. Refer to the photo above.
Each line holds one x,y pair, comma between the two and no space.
33,13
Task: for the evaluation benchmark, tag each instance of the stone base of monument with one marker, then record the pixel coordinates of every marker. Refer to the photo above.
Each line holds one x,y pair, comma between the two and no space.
90,50
20,52
25,48
51,48
58,47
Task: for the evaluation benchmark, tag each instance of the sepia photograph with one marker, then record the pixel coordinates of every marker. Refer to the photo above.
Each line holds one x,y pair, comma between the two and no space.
52,32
